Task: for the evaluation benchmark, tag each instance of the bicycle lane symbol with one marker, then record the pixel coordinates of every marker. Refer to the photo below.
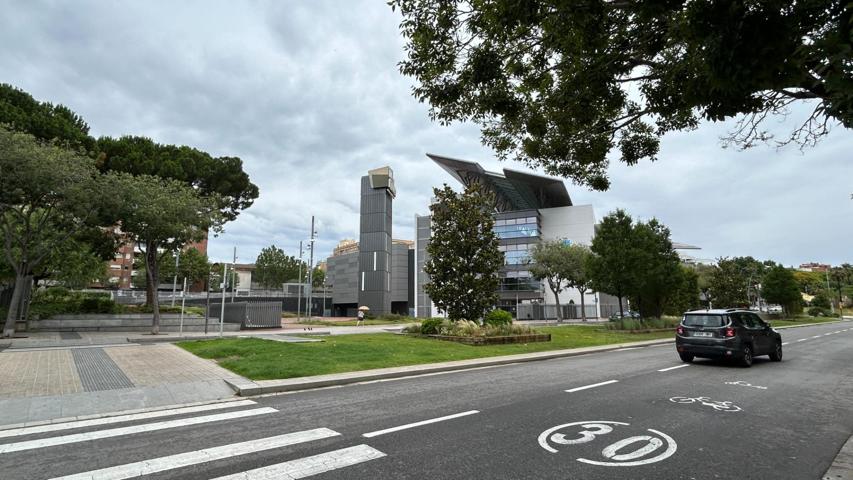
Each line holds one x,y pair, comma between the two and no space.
589,431
718,405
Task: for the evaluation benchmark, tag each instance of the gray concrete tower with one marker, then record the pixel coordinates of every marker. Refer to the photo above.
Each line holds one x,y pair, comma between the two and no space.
374,257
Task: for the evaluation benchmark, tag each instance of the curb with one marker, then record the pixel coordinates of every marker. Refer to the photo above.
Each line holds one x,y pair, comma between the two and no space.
810,324
250,388
842,466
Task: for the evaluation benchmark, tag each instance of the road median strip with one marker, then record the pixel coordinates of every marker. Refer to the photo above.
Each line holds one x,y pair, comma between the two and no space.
245,387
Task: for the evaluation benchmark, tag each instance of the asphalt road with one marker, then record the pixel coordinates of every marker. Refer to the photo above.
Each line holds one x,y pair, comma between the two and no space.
534,420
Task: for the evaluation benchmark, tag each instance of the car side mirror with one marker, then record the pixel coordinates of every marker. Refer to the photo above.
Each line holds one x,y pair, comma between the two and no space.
768,325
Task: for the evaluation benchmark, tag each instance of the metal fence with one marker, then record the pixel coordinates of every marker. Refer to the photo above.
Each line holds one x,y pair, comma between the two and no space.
549,312
249,314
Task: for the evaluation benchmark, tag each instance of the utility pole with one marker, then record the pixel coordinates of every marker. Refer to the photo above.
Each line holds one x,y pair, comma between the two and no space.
311,271
207,287
222,312
174,278
233,274
299,287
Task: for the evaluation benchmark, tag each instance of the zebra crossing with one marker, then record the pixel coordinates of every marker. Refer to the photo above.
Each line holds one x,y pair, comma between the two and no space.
201,414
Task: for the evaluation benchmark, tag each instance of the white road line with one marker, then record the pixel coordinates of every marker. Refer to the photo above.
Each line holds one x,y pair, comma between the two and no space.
802,339
308,466
161,464
784,343
673,368
816,336
418,424
577,389
626,349
115,432
15,432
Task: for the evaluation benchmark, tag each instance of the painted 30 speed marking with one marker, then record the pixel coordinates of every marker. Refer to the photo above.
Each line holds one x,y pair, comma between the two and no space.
616,454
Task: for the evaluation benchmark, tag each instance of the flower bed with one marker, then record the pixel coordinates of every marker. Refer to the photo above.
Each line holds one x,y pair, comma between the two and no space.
502,340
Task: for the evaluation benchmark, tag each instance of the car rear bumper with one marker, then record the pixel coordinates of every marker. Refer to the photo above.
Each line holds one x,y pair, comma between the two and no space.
709,351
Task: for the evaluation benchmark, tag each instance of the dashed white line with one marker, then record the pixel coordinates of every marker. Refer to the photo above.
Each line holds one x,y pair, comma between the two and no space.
313,465
577,389
171,462
784,343
14,432
816,336
115,432
418,424
802,339
673,368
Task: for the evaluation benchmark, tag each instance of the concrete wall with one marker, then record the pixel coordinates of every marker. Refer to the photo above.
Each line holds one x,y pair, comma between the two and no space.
423,304
576,224
342,274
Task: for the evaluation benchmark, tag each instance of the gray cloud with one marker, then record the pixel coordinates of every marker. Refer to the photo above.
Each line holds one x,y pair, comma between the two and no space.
309,96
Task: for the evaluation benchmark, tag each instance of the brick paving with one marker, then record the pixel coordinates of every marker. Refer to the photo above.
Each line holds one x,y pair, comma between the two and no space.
29,374
164,363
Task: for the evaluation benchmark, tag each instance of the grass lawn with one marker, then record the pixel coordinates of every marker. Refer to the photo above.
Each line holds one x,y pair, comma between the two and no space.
266,359
804,320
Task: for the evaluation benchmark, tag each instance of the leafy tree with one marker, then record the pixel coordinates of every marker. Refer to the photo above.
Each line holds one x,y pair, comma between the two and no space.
161,215
562,266
685,294
612,267
273,267
560,84
318,278
219,178
464,256
45,121
74,264
231,281
728,287
45,197
656,265
810,282
820,300
781,288
550,262
192,265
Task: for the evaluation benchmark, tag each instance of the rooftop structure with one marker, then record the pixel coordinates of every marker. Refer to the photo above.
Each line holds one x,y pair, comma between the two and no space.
513,190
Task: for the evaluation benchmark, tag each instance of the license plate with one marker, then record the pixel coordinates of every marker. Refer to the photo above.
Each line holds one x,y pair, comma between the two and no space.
703,334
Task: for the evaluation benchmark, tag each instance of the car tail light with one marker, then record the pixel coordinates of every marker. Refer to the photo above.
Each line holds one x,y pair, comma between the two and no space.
729,332
679,330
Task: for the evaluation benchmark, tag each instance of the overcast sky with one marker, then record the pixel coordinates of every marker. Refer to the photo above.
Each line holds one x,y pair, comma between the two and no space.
308,94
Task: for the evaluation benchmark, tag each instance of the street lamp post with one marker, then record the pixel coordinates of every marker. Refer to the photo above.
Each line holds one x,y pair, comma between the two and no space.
299,287
222,312
175,277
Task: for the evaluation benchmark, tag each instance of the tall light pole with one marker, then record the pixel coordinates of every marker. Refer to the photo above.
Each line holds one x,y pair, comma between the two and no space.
829,292
233,273
222,312
299,287
175,278
311,270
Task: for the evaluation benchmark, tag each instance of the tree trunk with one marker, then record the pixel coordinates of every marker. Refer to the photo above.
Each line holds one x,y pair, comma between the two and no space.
26,299
620,303
557,300
14,305
583,304
153,274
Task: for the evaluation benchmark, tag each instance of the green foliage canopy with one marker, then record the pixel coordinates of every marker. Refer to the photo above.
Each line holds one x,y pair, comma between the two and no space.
43,120
780,287
273,268
464,259
560,84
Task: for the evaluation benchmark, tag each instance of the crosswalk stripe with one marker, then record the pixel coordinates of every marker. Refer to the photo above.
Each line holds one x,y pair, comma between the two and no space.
115,432
171,462
308,466
53,427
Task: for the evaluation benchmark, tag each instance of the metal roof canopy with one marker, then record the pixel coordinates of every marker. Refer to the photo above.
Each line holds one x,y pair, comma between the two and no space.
514,190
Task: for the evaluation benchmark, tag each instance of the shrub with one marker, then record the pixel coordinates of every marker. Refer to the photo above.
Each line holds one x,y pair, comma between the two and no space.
819,312
431,326
498,317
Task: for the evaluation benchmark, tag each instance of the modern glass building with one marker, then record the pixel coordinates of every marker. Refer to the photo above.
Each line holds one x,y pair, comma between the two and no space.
529,208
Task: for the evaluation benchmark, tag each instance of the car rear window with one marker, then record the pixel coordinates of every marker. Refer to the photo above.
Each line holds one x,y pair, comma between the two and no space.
704,320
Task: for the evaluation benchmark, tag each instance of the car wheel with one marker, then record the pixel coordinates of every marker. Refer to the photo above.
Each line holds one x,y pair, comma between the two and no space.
746,359
776,356
686,357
